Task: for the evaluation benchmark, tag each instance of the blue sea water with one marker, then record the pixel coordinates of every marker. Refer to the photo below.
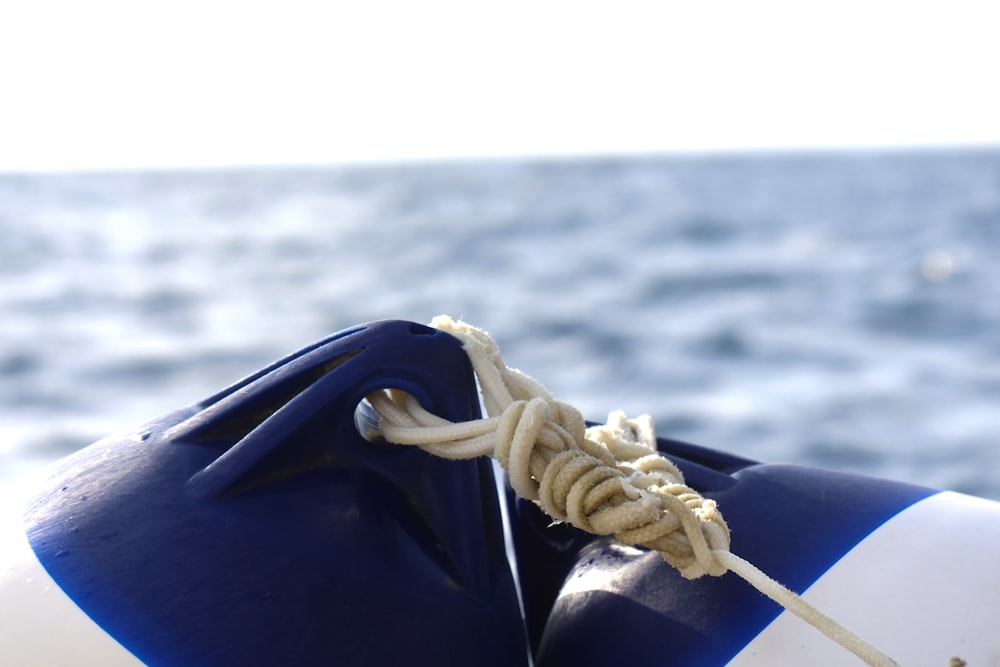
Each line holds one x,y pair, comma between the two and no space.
839,309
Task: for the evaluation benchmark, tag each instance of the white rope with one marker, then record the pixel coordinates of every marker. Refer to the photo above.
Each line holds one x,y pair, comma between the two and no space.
606,480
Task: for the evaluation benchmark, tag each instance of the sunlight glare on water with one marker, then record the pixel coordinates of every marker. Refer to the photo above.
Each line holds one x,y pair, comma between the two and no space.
829,309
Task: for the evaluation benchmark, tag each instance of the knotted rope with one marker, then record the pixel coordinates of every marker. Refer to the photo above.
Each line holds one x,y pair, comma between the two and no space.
606,480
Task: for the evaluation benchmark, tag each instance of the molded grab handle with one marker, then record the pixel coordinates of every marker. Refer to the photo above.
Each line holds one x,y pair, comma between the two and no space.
259,526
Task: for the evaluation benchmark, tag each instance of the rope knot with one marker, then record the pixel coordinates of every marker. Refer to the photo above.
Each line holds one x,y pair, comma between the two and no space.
606,480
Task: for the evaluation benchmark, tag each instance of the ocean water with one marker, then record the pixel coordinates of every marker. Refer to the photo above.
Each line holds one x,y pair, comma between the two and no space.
839,310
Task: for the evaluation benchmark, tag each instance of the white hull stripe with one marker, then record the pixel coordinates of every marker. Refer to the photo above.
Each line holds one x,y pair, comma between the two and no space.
39,624
922,588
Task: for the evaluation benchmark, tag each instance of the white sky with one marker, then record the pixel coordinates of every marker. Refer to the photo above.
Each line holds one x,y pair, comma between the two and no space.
99,83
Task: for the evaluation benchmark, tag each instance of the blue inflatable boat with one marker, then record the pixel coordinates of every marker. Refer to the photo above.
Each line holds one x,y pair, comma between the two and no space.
265,526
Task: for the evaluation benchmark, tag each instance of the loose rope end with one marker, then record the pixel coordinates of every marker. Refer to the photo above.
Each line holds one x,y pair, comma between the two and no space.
798,606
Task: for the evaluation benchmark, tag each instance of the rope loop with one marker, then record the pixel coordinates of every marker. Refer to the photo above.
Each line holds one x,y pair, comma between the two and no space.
606,480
